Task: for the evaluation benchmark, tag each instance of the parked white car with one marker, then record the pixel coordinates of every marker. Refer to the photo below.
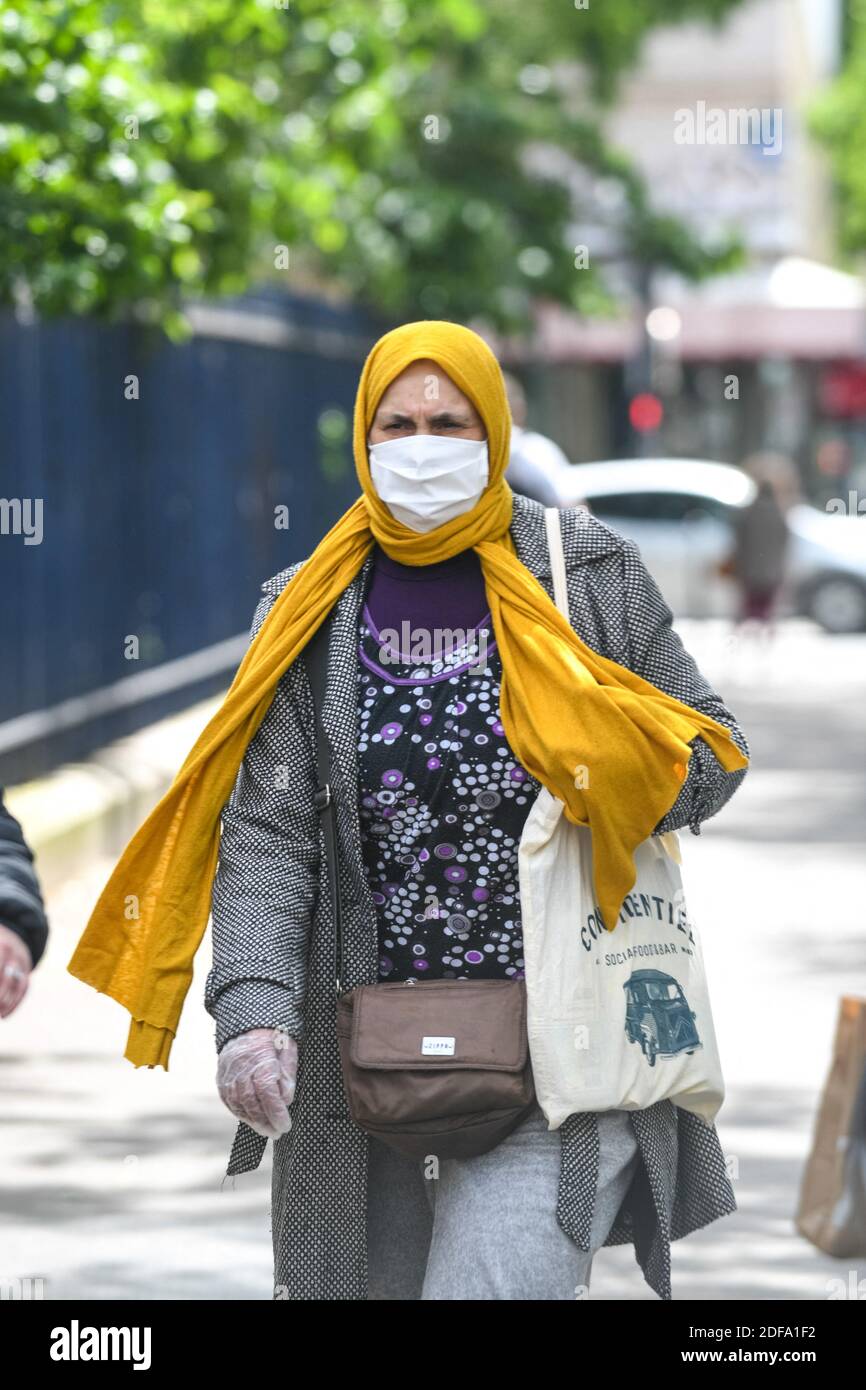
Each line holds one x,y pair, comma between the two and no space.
680,512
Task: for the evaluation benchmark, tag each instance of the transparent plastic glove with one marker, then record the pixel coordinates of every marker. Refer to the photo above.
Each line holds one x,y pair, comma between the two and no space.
256,1077
16,964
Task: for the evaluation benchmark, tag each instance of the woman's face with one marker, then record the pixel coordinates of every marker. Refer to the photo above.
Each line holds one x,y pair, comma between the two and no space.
424,400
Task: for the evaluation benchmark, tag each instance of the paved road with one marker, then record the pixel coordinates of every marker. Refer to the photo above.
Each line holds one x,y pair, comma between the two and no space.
113,1177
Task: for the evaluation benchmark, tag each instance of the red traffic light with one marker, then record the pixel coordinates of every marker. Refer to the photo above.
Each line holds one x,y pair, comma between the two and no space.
645,412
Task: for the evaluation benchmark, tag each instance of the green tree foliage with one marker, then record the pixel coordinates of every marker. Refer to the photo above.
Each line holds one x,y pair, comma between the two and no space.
838,119
152,151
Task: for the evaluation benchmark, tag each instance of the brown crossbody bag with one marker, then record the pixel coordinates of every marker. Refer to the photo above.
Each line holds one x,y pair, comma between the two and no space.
435,1067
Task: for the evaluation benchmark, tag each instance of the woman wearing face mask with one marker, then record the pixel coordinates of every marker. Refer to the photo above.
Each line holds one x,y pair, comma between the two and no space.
450,698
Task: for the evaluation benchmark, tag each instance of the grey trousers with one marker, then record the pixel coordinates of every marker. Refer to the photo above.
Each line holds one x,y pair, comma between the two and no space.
486,1227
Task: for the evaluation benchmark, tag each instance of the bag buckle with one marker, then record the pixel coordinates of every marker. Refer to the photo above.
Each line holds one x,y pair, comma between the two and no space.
322,797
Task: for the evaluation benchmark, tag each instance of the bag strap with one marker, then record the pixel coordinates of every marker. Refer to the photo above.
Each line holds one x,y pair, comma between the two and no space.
669,841
316,658
557,559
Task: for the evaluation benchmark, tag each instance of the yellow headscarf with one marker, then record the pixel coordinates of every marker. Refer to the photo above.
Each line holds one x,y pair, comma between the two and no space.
564,708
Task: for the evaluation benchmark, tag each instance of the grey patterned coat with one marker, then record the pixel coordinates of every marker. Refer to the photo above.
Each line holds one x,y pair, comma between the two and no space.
273,932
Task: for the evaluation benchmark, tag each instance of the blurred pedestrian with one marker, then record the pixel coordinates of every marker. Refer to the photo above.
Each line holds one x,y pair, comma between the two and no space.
757,562
537,467
23,923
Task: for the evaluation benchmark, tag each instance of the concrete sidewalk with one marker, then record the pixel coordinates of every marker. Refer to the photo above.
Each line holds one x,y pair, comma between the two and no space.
113,1176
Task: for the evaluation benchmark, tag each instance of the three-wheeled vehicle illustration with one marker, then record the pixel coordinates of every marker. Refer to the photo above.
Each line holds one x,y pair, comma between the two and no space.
657,1015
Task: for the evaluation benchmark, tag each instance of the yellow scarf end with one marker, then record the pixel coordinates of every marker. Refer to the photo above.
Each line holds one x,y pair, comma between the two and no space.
731,757
147,1046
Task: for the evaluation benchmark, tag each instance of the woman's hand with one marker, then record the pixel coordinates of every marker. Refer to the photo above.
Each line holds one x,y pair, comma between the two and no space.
16,964
256,1077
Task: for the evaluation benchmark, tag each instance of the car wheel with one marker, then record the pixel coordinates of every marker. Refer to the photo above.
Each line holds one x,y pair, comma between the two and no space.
838,605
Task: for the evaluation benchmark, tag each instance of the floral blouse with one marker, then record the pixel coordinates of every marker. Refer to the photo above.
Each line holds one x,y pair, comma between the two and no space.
443,801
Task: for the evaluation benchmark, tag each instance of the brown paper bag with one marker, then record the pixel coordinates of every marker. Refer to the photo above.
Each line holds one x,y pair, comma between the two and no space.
832,1208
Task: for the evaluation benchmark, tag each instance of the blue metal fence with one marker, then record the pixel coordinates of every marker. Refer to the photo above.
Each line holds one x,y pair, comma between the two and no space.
158,512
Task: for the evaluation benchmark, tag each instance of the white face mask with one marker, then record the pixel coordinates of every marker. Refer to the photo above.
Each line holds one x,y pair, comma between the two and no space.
427,479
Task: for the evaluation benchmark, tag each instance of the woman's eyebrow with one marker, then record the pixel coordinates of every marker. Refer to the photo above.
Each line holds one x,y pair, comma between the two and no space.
445,417
396,416
442,417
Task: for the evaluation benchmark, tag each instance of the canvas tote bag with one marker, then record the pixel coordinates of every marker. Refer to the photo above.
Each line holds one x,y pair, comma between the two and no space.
616,1020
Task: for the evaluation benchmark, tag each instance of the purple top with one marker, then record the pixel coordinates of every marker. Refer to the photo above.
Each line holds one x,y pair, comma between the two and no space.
448,594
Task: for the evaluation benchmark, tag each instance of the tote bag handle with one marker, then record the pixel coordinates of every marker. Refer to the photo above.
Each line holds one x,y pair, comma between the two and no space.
669,841
557,560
